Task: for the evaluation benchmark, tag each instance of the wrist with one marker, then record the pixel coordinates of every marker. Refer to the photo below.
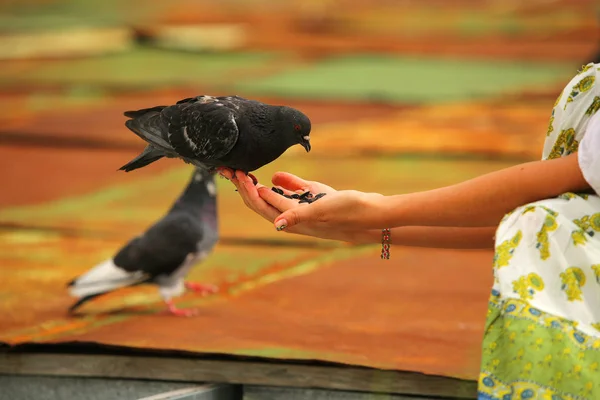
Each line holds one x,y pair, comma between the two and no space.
386,211
364,236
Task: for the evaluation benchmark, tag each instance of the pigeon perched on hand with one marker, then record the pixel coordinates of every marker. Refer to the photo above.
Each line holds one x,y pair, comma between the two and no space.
218,132
165,253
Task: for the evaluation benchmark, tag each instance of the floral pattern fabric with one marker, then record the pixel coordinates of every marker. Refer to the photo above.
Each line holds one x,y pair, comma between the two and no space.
542,334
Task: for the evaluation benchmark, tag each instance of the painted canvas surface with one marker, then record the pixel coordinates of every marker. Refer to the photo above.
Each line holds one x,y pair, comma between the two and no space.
403,96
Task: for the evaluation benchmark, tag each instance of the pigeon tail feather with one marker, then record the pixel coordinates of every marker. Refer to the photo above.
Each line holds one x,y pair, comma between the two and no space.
148,127
148,156
103,278
143,111
82,301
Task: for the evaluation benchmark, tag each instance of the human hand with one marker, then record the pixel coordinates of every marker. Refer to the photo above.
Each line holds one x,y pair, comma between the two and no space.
291,184
351,210
265,202
345,209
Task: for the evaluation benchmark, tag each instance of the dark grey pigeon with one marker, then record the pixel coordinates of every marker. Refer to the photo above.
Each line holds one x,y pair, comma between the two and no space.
213,132
165,253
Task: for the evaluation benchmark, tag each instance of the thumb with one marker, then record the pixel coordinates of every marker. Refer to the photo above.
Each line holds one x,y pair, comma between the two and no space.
292,217
289,181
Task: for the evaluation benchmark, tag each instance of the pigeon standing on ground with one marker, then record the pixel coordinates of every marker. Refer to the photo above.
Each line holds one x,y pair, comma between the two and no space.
165,253
218,132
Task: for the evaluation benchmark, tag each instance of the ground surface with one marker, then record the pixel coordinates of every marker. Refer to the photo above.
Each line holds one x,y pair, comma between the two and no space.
383,122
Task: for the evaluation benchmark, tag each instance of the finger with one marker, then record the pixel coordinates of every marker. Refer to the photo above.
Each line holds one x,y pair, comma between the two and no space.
243,178
249,193
235,182
250,196
290,181
267,212
276,200
226,173
245,187
294,216
241,187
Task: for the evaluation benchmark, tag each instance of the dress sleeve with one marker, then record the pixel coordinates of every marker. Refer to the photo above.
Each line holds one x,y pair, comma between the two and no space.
589,153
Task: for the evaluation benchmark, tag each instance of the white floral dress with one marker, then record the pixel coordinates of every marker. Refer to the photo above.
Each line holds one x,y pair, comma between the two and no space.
542,336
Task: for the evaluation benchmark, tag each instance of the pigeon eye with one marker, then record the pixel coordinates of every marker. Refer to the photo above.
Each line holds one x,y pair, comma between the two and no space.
297,127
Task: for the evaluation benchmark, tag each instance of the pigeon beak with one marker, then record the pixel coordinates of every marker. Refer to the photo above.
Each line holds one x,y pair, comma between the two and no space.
306,143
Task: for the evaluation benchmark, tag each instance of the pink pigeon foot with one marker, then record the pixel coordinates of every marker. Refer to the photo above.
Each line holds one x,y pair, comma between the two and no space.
220,171
251,176
202,288
254,180
180,312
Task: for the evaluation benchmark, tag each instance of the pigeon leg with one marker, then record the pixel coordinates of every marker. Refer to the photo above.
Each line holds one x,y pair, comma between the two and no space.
254,180
180,312
219,170
202,288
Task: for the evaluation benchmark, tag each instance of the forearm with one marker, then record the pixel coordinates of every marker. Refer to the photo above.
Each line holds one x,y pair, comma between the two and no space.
432,236
483,201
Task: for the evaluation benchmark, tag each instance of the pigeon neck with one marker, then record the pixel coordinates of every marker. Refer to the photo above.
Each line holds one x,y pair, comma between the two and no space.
199,196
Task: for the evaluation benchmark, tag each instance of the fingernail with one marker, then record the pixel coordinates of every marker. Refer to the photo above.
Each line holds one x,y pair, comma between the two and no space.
281,224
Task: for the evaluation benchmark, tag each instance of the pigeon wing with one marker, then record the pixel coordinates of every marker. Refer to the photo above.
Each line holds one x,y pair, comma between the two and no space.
163,248
210,99
203,129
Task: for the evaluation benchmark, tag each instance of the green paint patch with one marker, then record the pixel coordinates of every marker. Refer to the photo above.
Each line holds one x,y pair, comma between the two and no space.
283,353
40,274
407,22
409,79
69,100
301,268
232,264
139,68
54,330
20,237
61,14
106,202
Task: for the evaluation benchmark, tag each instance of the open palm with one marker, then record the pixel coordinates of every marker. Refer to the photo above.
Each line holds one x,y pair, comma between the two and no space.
268,204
